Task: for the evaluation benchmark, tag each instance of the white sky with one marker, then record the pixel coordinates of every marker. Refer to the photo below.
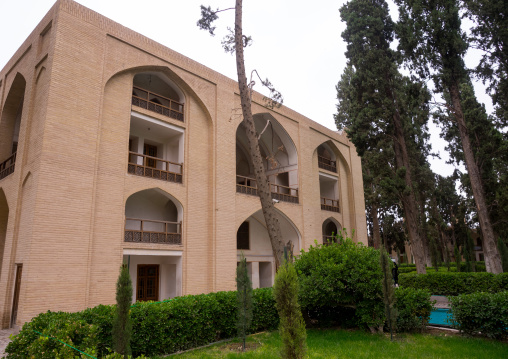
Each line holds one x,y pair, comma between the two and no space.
297,44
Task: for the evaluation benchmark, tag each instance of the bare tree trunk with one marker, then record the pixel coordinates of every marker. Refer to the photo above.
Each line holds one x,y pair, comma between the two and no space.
264,192
376,236
493,262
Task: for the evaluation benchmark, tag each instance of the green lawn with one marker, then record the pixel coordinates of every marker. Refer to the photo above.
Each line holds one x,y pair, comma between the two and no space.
357,344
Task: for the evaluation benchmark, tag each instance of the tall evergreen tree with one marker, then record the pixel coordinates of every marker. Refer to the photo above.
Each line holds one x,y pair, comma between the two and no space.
371,105
430,38
490,34
388,291
244,299
122,325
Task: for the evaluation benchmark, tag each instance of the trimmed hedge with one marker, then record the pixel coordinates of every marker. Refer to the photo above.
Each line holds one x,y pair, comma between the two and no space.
158,328
481,312
443,283
413,309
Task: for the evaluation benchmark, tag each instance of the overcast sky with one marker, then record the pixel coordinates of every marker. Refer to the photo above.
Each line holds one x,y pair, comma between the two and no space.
297,44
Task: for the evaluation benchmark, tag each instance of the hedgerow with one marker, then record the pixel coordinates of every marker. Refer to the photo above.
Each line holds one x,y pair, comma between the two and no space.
485,313
454,283
158,328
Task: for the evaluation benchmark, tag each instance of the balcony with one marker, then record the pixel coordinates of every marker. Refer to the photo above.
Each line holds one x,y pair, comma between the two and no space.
327,164
154,167
7,166
328,240
328,204
247,185
157,103
151,231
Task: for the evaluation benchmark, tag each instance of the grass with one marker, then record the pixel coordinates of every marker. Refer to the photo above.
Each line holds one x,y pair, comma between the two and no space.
333,343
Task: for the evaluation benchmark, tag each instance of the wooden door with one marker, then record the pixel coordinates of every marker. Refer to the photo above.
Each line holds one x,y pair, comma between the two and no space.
15,300
148,282
151,151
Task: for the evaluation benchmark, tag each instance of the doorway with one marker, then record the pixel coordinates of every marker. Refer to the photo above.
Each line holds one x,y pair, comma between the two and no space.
147,282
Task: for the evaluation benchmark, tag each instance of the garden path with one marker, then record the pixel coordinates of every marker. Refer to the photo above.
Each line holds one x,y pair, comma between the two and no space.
4,339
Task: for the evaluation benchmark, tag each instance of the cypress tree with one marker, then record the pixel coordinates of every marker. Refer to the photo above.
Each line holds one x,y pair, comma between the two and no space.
292,326
122,326
244,299
388,291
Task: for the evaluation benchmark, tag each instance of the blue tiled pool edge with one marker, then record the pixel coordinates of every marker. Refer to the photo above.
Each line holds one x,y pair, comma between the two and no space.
439,316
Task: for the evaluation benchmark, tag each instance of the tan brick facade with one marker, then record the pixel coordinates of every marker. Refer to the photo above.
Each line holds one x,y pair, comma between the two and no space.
63,208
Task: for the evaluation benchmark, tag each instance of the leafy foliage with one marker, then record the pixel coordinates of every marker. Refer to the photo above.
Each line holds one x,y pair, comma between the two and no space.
481,312
413,309
158,328
292,327
455,283
342,276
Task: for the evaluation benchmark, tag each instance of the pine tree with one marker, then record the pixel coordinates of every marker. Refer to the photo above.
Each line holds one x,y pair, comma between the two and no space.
388,291
244,299
122,326
458,258
235,43
292,326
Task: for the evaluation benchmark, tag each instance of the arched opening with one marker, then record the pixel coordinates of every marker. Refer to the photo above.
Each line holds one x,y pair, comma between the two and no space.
4,218
279,156
326,158
153,216
10,125
328,182
254,243
330,229
155,92
155,146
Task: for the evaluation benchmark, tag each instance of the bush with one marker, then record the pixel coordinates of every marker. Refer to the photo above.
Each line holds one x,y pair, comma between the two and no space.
481,312
341,277
455,283
44,335
158,328
413,309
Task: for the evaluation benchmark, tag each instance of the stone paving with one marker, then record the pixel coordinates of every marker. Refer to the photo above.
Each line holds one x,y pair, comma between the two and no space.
4,339
441,301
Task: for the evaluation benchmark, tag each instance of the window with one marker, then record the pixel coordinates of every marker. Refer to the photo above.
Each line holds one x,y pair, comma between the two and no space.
242,236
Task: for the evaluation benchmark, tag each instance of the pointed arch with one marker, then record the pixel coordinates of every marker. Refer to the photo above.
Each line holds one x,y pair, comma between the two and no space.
153,215
330,228
10,122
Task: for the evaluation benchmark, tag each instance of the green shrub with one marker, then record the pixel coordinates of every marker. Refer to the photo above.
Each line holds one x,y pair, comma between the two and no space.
455,283
158,328
413,309
122,324
341,277
481,312
44,336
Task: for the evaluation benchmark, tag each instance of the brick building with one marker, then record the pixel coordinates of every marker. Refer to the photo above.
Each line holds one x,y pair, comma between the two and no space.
116,149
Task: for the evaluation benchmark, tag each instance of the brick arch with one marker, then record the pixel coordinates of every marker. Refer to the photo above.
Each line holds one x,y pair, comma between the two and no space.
177,81
10,121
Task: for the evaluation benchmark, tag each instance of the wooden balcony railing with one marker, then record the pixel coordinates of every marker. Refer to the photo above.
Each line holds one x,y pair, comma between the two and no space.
157,103
7,166
248,185
147,166
327,164
327,240
150,231
328,204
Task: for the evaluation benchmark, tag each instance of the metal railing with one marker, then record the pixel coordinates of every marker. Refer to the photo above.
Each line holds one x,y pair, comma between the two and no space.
157,103
248,185
327,164
151,231
154,167
328,204
7,166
